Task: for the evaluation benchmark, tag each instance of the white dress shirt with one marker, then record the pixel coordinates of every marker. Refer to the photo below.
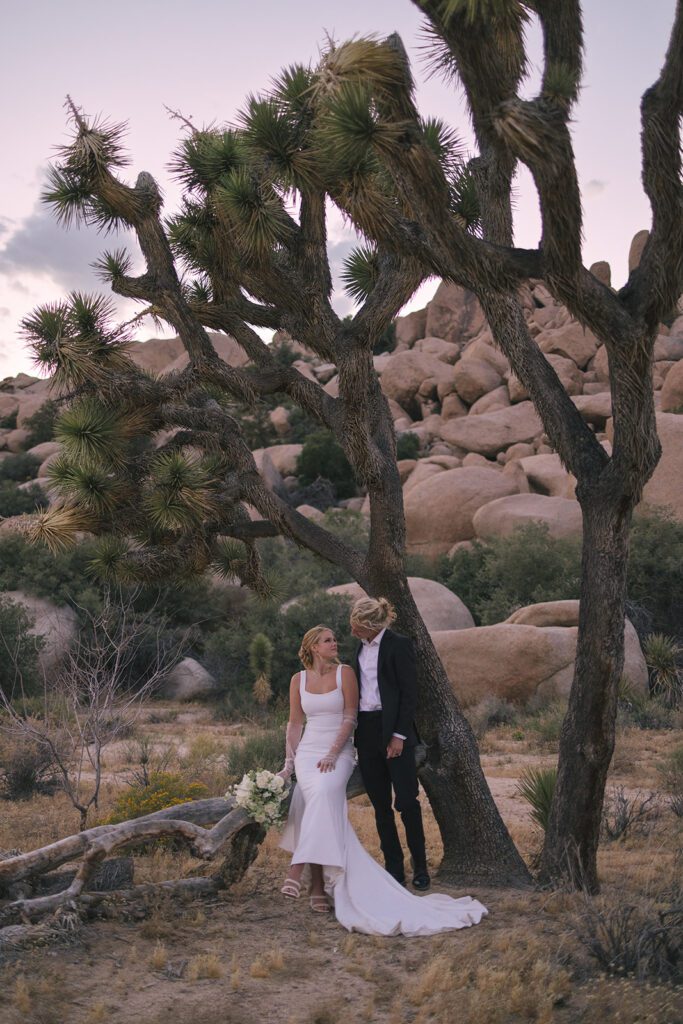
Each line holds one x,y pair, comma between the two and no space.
368,659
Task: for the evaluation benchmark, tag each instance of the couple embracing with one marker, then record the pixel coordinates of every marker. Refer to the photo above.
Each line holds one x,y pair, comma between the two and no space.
374,702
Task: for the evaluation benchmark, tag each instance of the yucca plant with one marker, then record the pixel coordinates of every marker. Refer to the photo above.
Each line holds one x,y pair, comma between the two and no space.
260,662
663,656
537,787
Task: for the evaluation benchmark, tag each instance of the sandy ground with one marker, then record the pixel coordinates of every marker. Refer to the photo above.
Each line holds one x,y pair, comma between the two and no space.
251,956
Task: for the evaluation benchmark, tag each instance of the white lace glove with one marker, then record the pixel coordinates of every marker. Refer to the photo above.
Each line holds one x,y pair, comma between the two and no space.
329,761
293,736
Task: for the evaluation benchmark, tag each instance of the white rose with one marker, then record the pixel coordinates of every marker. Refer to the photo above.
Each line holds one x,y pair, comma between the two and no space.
262,779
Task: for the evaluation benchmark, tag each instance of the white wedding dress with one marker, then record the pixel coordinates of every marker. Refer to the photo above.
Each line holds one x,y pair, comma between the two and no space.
318,831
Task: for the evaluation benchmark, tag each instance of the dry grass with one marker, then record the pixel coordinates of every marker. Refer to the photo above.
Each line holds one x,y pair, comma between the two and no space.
272,961
204,966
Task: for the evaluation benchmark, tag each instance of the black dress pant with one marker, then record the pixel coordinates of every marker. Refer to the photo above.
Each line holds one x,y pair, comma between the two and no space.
380,774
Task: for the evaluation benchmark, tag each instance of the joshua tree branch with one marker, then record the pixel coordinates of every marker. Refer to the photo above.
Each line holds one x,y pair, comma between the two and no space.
654,287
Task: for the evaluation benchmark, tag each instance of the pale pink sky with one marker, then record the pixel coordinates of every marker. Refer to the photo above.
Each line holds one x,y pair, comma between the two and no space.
127,59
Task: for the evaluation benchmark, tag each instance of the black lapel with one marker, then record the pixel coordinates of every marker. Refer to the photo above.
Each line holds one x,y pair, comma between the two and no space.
356,662
384,645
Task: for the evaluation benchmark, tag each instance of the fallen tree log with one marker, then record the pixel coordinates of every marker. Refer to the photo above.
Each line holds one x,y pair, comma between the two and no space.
234,835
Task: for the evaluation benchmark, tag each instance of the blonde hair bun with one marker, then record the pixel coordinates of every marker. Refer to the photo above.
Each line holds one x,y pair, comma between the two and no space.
372,613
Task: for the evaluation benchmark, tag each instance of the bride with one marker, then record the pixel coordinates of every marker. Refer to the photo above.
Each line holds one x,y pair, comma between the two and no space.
323,714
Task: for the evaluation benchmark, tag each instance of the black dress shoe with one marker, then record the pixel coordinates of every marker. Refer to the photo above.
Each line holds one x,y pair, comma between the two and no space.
421,880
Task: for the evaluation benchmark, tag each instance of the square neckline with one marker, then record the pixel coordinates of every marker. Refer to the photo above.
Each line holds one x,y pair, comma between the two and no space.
322,693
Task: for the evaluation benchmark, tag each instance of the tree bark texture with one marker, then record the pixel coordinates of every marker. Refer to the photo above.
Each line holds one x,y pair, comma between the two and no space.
587,737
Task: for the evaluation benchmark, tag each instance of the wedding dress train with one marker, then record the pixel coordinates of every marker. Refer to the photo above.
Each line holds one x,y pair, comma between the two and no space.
318,831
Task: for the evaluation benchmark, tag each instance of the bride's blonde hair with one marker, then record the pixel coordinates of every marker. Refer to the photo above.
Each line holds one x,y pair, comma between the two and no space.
371,613
308,643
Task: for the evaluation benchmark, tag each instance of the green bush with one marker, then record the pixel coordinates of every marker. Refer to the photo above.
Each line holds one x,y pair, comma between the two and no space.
227,650
323,457
19,468
42,424
527,567
14,502
530,566
537,787
19,669
655,570
9,422
407,446
63,578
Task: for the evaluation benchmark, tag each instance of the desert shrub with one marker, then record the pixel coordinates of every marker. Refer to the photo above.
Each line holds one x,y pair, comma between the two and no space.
19,668
42,424
263,749
655,570
321,456
537,786
19,468
662,656
63,578
644,939
26,767
546,723
407,446
642,711
623,815
530,566
527,567
226,651
671,770
488,713
9,422
14,502
164,789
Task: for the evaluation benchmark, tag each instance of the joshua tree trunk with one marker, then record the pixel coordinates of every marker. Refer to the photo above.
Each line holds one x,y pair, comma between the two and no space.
587,738
477,844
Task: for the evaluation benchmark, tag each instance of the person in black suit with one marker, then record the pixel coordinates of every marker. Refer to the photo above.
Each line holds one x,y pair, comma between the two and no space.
386,736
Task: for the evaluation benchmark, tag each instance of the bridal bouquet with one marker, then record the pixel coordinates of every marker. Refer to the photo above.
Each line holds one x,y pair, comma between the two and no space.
263,796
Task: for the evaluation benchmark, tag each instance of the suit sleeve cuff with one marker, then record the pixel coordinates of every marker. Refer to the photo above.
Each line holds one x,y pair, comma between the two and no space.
398,736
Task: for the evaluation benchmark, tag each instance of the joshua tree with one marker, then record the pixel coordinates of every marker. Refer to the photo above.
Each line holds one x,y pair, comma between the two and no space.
350,131
252,233
409,210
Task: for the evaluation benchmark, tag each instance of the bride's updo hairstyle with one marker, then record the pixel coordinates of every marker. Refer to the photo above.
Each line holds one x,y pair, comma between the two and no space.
371,613
308,643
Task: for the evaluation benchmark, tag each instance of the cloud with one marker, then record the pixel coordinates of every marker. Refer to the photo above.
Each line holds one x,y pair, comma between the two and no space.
337,253
40,246
595,187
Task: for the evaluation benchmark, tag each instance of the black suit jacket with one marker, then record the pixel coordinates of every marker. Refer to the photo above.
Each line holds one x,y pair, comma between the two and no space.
397,678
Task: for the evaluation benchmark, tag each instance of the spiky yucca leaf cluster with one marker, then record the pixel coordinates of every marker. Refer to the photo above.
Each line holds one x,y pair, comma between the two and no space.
179,495
77,341
95,149
360,272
